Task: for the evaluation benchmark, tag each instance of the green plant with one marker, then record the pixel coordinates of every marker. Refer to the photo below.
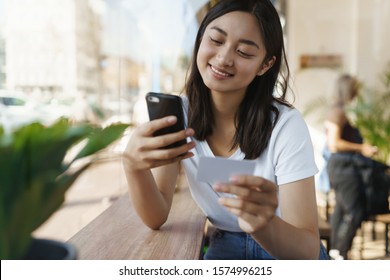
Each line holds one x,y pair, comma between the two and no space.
34,174
371,115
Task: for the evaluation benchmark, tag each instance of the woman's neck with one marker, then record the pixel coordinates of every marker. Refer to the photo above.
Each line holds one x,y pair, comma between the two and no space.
225,106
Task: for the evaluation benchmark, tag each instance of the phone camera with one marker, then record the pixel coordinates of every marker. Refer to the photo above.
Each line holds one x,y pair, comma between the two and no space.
153,99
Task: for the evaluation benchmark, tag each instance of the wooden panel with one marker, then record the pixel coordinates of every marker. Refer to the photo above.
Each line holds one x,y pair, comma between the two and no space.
118,233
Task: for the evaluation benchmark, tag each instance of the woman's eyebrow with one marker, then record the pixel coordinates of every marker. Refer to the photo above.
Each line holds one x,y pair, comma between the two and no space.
244,41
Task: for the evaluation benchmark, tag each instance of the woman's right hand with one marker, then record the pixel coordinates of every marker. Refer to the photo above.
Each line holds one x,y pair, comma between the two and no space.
145,151
369,150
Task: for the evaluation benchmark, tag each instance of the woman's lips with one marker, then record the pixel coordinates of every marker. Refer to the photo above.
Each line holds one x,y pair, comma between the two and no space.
219,72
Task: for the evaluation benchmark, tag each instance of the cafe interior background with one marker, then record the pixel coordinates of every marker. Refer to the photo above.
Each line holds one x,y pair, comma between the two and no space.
96,59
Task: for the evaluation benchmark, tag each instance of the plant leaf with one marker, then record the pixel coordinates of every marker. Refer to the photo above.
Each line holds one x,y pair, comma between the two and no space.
34,178
101,139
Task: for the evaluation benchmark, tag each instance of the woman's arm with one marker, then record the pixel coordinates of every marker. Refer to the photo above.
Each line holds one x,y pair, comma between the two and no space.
337,144
151,192
294,235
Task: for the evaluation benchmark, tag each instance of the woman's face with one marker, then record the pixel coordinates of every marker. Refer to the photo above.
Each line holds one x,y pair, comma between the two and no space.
231,53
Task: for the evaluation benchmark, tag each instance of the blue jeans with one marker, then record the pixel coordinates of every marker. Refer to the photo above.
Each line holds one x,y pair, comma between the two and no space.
226,245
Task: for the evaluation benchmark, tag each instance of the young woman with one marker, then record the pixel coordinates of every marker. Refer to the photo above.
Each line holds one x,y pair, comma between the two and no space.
345,143
234,111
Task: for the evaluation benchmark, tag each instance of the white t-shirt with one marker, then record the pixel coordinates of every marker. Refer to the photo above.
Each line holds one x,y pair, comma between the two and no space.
288,157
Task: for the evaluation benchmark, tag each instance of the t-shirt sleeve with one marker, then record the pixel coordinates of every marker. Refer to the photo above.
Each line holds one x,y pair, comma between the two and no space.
293,149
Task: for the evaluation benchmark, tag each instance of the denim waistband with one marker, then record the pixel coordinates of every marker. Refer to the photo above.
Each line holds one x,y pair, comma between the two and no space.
241,245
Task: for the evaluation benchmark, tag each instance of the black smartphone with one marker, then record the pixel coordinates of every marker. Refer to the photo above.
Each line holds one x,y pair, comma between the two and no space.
161,105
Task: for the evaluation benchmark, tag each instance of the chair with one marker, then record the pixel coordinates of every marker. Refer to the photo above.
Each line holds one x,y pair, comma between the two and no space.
385,219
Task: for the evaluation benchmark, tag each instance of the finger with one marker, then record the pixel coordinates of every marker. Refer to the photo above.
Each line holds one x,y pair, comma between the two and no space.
247,193
249,217
242,191
253,208
158,142
151,127
255,182
250,223
168,154
152,163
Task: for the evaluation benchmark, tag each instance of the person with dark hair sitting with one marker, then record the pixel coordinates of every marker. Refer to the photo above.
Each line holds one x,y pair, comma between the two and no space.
345,143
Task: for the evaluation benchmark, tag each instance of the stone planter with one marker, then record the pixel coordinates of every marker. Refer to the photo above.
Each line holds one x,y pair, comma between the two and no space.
46,249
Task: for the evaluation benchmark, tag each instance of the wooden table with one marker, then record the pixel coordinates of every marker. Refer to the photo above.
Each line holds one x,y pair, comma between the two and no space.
119,234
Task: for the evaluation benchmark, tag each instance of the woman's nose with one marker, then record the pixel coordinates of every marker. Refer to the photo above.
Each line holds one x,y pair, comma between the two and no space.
225,57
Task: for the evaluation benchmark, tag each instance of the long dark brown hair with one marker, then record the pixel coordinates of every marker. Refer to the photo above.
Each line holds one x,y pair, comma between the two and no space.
257,114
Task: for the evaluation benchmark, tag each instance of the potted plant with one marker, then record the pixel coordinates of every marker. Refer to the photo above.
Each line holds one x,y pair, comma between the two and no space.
371,115
36,169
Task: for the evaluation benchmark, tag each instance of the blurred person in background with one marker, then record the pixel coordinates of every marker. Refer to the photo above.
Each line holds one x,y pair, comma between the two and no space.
344,143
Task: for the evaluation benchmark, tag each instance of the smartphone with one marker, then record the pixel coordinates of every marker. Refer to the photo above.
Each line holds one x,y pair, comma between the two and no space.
161,105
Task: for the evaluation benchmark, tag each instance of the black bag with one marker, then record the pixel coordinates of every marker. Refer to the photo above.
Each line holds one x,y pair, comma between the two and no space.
376,183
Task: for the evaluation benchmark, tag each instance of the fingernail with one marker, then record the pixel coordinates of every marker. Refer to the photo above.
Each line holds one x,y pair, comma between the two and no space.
217,187
171,119
189,132
233,179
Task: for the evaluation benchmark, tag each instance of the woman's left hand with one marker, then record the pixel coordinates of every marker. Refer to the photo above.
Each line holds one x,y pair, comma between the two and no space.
255,202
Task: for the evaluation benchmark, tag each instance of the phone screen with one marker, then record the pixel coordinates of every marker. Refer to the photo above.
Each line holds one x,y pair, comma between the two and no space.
161,105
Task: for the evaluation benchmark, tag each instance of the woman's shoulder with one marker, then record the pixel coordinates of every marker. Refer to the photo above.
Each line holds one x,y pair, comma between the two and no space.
336,114
286,112
336,109
289,121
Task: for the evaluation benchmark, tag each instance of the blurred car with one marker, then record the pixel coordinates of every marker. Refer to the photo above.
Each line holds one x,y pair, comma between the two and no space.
17,109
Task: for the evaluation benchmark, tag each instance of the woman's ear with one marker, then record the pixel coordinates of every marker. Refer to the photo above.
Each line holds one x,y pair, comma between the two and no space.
266,65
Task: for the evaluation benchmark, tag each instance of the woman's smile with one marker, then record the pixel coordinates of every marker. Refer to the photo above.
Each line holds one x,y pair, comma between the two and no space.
219,73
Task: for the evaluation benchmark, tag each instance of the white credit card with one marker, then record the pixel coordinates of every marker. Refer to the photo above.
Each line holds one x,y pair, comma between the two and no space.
217,169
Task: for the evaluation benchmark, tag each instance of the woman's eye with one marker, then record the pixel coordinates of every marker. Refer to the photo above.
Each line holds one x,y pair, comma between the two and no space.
215,41
244,54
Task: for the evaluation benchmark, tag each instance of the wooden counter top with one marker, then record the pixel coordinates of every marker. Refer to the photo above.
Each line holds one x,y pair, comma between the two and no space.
119,234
